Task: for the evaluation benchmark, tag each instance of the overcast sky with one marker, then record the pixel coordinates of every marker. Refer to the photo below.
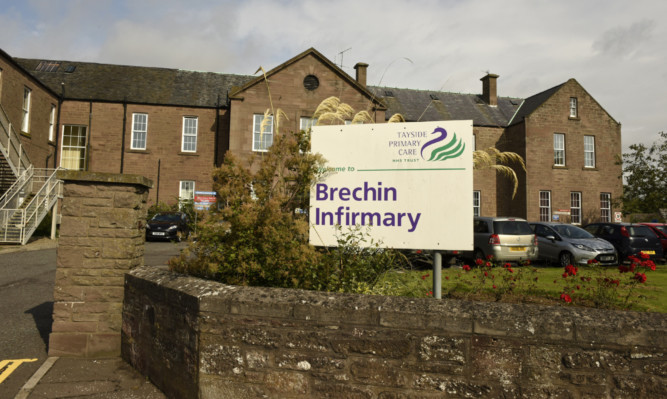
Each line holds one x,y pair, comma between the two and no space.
616,49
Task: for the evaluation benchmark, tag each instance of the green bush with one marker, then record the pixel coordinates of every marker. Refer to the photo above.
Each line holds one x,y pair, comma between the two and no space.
259,235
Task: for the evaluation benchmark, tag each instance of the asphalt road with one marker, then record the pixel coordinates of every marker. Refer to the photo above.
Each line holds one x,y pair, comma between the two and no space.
26,307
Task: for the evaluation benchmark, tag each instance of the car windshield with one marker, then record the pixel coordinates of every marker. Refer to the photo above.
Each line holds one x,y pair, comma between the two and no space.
167,217
572,231
663,229
512,227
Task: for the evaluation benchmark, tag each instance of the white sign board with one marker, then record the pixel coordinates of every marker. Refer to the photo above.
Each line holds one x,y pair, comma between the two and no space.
412,182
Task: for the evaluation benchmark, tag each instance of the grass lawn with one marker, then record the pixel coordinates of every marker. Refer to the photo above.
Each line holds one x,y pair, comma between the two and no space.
592,286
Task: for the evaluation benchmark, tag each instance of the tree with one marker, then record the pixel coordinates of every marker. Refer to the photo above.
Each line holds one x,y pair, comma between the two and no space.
645,175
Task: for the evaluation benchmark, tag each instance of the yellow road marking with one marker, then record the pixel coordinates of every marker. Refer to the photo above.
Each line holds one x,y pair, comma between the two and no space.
10,365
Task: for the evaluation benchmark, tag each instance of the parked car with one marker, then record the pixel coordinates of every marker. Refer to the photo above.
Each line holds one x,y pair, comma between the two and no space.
507,239
571,245
174,226
660,229
628,239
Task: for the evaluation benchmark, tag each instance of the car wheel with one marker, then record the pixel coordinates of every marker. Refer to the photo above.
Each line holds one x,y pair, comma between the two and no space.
565,259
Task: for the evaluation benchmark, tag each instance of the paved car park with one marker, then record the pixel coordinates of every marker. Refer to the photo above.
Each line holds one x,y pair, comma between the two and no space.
27,275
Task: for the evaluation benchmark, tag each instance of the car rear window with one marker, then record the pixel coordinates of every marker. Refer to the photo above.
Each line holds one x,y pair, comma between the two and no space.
508,227
663,229
640,231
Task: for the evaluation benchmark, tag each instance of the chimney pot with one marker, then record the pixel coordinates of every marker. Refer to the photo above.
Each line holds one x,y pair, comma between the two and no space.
489,89
361,69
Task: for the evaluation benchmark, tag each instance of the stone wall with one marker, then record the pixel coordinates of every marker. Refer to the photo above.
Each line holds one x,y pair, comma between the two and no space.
201,339
101,238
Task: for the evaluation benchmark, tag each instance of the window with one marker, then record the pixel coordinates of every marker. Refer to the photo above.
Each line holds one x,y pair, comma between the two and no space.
307,123
262,132
573,107
476,196
575,207
187,191
73,148
52,123
189,134
545,206
559,149
589,151
139,131
605,207
47,66
25,123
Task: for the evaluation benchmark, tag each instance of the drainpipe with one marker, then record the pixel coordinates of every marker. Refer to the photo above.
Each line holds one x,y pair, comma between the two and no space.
90,134
60,105
217,132
122,142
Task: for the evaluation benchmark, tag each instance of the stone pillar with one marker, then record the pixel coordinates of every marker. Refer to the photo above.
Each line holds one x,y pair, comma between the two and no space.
101,238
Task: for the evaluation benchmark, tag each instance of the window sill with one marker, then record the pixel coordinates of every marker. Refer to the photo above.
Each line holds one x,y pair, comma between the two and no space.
137,151
559,167
574,118
188,154
26,134
593,169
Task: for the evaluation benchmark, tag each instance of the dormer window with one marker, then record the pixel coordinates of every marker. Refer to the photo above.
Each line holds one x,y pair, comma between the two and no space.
573,108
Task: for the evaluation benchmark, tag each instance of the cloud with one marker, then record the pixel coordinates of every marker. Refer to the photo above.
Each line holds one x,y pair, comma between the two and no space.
624,41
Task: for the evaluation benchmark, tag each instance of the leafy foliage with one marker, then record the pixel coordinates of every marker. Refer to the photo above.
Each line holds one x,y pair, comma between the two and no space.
260,234
645,172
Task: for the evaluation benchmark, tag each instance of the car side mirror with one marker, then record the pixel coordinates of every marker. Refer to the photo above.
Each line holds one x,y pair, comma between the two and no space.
550,238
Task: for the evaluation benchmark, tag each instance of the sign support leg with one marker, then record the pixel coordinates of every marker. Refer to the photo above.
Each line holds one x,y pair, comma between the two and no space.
437,275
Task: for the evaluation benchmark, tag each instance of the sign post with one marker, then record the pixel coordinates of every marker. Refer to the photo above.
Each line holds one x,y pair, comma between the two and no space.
412,182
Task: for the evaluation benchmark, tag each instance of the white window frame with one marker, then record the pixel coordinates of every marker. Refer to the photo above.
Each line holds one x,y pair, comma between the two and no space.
73,152
306,123
589,151
476,203
186,190
545,206
52,123
189,137
139,131
559,149
574,111
605,207
25,122
262,140
575,207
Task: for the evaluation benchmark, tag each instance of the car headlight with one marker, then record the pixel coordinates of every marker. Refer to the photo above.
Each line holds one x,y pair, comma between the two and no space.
583,247
172,228
148,227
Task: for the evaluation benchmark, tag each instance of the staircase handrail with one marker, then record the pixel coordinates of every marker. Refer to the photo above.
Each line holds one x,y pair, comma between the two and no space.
41,203
11,146
10,197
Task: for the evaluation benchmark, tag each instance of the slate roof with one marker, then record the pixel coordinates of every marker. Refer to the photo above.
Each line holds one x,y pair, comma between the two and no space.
531,103
424,105
142,85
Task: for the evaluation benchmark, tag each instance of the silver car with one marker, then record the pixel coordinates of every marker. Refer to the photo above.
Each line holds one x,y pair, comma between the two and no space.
507,239
571,245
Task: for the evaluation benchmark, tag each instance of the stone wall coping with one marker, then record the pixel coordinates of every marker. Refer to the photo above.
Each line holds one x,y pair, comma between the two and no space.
98,177
525,321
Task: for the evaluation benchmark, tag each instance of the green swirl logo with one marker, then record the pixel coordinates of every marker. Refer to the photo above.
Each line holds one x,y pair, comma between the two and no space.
442,148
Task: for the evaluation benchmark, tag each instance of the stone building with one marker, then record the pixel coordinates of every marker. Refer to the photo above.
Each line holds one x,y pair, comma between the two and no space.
174,126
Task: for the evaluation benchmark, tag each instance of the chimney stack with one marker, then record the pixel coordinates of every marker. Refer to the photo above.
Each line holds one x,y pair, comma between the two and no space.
361,69
489,89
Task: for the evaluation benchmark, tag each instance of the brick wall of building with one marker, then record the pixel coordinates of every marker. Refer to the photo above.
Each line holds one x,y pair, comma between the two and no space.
163,143
13,80
553,117
289,94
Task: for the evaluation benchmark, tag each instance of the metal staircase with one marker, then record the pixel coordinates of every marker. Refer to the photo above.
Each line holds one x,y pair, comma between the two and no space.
34,192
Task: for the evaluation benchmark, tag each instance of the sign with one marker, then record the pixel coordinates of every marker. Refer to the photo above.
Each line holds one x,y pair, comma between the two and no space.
204,200
555,217
565,212
618,217
410,182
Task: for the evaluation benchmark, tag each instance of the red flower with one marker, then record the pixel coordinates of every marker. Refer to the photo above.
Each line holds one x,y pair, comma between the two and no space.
446,277
424,276
494,287
486,274
623,269
566,297
641,277
489,257
570,271
509,269
644,255
488,264
429,293
466,267
478,261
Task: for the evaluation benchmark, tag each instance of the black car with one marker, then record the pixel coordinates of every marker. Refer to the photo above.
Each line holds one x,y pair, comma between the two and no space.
628,239
173,226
